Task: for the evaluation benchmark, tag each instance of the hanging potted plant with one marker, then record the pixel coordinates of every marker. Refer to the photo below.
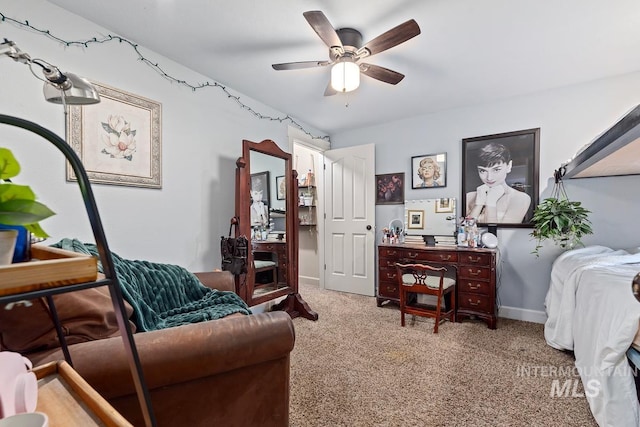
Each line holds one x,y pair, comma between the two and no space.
560,220
18,205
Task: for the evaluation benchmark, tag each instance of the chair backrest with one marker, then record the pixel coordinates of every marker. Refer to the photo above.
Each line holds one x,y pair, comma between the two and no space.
420,273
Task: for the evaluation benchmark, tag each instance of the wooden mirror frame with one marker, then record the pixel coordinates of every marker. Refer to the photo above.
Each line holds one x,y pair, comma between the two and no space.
245,284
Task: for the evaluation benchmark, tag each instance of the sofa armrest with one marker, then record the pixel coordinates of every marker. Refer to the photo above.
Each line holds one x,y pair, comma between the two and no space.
220,280
185,353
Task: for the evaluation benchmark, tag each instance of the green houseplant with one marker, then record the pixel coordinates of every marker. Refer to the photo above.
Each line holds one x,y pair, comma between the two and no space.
18,205
561,220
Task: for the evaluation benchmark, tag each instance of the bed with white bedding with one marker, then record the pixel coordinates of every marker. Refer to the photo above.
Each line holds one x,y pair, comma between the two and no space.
592,311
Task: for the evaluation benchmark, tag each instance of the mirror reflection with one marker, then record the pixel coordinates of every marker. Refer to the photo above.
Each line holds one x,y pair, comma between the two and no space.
268,194
430,218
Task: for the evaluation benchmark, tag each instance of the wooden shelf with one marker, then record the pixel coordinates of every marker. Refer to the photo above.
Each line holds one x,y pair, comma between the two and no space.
49,268
69,401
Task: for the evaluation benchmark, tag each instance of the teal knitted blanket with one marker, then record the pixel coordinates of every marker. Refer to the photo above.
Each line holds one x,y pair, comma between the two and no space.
164,295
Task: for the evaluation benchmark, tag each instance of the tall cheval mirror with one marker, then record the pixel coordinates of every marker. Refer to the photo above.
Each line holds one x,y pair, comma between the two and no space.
267,213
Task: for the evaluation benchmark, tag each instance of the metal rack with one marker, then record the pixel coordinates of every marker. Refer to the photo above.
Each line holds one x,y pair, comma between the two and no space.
110,278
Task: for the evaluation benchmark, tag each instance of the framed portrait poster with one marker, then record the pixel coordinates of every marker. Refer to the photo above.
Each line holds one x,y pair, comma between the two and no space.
429,171
281,188
260,182
500,177
390,189
118,140
416,219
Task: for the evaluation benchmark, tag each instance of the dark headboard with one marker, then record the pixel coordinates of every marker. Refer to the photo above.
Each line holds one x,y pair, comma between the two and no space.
615,152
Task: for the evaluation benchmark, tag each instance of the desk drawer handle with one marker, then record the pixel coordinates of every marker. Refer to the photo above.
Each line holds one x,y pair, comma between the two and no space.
391,275
391,289
476,273
410,255
445,257
474,303
473,288
472,259
392,252
391,263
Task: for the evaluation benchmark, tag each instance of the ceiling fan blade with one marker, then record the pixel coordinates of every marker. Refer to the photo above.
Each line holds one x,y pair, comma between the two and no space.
380,73
323,27
299,65
393,37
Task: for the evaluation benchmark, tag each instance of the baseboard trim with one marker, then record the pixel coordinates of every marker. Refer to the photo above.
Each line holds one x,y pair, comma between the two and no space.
523,314
306,280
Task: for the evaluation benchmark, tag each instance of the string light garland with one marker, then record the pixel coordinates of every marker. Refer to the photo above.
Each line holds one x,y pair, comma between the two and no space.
154,65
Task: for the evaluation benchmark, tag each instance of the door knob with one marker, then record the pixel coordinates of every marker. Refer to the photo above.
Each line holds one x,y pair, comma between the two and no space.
368,227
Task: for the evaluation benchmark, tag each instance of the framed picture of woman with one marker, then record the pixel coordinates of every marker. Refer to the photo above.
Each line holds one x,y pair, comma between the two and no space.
429,171
500,177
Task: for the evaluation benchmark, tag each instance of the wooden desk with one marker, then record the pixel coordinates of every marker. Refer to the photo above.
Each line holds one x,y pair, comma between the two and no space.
272,250
473,268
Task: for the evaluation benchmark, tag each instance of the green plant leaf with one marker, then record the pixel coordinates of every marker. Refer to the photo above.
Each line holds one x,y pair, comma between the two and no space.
9,166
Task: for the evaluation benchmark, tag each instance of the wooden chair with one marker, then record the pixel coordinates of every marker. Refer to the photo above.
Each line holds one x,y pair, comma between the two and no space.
414,279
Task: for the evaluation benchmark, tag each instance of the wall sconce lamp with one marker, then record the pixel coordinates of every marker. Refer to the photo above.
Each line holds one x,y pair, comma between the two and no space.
345,75
59,88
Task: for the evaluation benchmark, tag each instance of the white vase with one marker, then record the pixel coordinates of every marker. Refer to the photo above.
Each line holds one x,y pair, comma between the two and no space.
7,245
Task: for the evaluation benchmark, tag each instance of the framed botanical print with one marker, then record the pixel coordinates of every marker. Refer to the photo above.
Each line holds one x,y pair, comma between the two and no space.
500,177
118,140
429,171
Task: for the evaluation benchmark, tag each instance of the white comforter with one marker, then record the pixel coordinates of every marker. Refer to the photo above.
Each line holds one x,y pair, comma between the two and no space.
592,311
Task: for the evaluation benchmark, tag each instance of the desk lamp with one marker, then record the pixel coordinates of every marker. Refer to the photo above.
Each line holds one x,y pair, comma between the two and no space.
59,88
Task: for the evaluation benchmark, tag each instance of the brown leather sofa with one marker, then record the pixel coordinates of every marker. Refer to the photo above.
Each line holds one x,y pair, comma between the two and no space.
228,372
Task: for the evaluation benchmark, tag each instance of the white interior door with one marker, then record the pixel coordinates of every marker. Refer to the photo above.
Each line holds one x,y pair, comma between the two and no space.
349,232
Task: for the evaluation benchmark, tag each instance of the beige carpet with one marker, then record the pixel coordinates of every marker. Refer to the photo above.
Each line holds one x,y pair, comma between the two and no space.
356,366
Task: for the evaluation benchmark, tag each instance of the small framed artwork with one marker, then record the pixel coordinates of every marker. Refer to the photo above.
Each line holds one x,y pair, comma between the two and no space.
444,205
118,140
390,189
416,219
429,171
500,178
281,188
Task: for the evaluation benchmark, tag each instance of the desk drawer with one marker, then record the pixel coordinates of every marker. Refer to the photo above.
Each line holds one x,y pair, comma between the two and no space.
435,256
388,289
474,302
473,286
394,253
474,273
388,274
470,258
389,263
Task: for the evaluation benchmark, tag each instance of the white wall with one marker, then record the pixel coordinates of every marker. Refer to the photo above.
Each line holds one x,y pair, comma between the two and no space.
568,117
202,135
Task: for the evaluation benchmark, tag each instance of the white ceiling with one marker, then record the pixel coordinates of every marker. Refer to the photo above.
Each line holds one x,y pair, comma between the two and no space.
470,51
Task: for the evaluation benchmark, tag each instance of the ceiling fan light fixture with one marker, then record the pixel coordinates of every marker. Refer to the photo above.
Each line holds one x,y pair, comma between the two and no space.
345,76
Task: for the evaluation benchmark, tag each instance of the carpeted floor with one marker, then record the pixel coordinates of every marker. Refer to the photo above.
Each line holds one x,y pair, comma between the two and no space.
356,366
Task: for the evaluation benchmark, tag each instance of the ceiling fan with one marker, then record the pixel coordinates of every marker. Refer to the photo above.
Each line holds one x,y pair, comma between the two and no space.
346,51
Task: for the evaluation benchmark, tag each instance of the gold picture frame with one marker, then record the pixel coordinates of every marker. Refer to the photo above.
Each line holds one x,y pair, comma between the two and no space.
444,205
118,140
415,219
